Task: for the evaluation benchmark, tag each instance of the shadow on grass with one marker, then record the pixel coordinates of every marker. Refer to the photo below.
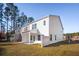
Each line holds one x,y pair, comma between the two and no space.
7,43
63,43
2,51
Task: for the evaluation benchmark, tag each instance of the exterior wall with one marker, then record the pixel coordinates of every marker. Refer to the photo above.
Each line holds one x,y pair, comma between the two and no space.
43,29
45,41
55,28
25,37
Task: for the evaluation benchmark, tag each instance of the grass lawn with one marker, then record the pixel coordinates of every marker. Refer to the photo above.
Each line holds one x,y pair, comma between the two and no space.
19,49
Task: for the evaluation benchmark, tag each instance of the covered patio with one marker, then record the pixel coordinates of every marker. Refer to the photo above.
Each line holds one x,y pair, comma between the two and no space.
32,37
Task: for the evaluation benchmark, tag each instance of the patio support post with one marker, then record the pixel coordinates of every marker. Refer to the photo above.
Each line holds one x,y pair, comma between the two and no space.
41,41
29,37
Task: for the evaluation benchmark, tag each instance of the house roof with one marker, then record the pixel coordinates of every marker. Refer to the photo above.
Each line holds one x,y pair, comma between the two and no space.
44,18
61,23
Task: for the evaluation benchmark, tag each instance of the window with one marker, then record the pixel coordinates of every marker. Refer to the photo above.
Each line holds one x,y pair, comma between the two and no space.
31,37
38,37
50,37
34,26
55,37
44,22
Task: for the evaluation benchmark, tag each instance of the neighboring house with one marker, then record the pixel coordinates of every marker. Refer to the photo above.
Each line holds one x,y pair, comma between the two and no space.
73,38
16,37
45,31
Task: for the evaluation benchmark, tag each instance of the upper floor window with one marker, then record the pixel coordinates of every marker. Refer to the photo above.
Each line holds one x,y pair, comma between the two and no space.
44,22
34,26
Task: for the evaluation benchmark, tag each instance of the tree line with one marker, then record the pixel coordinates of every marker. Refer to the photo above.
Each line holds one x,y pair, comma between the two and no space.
72,34
11,18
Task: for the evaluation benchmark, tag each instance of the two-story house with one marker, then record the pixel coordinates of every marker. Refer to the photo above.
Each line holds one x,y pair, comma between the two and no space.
44,31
